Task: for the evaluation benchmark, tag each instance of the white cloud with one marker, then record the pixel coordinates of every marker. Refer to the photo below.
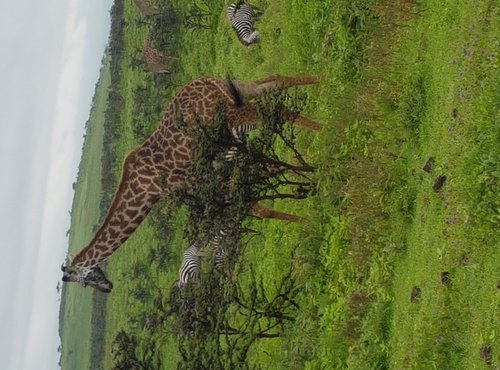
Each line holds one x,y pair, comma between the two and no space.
63,144
47,86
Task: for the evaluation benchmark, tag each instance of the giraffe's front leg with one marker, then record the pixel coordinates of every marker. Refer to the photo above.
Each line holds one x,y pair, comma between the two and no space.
253,89
249,116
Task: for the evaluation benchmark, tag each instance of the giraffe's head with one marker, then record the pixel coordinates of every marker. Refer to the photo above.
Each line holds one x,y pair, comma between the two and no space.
87,276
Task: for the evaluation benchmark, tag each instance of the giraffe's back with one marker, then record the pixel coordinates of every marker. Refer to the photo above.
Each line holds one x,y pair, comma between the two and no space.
167,154
198,100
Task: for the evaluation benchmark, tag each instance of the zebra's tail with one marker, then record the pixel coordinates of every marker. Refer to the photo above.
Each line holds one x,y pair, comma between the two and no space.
234,92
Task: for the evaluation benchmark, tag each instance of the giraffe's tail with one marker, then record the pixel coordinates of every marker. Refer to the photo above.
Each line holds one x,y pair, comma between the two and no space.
234,92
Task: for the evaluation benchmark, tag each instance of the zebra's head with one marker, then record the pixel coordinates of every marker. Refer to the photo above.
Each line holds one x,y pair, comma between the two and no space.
254,37
251,38
179,285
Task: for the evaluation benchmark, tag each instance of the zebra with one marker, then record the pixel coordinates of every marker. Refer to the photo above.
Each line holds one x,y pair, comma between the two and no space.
218,251
191,261
190,265
241,16
239,134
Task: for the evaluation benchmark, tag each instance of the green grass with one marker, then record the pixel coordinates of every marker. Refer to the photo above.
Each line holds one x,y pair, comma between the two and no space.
456,229
85,214
404,82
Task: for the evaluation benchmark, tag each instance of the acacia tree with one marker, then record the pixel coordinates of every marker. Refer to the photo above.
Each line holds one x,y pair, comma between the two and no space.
131,353
222,321
218,318
197,16
226,189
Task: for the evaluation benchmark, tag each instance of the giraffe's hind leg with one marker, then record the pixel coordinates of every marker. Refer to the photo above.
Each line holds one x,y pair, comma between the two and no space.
252,89
252,119
299,120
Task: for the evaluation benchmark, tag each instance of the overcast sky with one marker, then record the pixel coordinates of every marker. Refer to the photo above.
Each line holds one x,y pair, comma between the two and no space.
50,55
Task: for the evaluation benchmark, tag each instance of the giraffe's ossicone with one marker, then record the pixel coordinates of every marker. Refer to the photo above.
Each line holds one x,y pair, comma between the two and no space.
164,162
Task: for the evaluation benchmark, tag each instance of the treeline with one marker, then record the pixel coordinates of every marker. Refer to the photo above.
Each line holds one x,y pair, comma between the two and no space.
115,103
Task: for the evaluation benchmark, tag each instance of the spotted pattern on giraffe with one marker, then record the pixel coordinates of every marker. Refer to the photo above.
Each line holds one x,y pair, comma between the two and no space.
163,163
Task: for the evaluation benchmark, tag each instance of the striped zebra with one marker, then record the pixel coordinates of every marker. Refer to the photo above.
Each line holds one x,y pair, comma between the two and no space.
191,260
218,250
239,133
190,266
242,16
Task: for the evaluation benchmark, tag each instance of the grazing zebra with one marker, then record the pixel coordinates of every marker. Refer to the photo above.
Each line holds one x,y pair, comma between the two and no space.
190,265
191,261
242,16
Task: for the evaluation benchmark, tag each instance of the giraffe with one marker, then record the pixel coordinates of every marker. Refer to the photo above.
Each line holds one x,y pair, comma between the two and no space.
154,58
162,164
146,8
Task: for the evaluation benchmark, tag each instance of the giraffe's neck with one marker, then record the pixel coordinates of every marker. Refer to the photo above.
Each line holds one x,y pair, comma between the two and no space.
132,202
149,39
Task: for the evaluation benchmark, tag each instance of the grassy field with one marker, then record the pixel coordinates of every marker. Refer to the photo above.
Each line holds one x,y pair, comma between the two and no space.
394,273
454,231
85,213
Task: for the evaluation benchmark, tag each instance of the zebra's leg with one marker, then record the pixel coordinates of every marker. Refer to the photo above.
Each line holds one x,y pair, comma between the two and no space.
252,89
264,212
218,257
